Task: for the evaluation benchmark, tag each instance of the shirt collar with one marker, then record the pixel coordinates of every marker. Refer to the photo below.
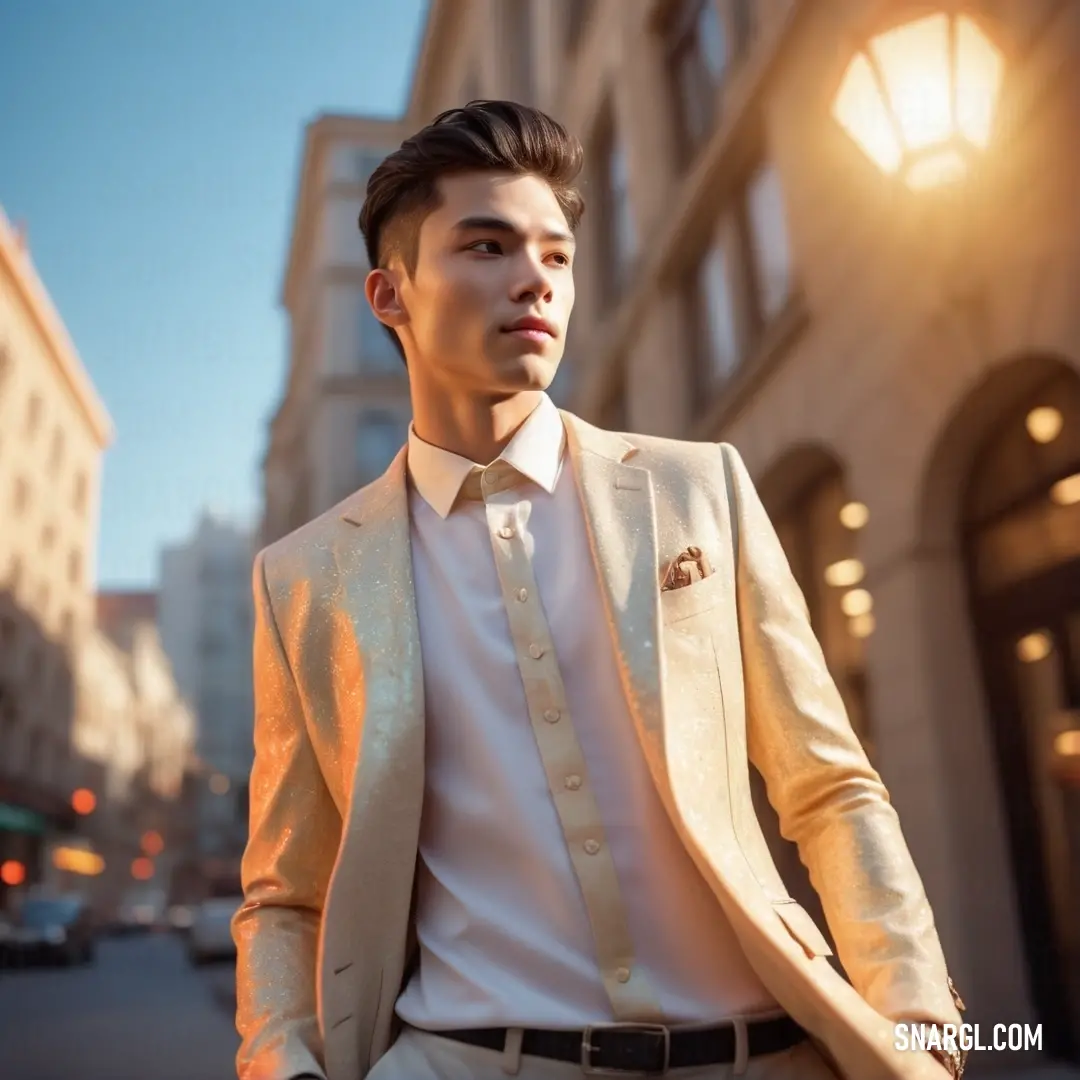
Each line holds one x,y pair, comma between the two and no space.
536,451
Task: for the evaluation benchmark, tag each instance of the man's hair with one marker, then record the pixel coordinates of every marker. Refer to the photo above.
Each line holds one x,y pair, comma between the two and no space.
483,136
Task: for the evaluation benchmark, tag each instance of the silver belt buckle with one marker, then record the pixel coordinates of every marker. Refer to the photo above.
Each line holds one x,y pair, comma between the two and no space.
587,1048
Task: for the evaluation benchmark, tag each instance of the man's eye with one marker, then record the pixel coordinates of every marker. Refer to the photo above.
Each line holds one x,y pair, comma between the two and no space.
480,244
563,260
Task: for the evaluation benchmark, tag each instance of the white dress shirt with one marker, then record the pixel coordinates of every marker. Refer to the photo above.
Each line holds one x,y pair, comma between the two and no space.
553,890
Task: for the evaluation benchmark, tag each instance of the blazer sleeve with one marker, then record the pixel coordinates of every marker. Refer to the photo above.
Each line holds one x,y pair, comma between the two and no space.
293,836
828,798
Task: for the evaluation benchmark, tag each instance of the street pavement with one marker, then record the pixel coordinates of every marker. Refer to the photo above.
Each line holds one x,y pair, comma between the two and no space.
143,1013
139,1013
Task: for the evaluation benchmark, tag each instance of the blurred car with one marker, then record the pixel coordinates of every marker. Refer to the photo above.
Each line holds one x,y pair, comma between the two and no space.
180,917
50,929
209,937
141,910
133,918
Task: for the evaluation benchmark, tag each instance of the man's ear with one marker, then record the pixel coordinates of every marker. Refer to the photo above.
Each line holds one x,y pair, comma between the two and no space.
384,295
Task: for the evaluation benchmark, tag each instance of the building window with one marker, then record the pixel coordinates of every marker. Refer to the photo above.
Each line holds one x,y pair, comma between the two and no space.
74,566
21,497
517,20
717,307
81,492
378,355
15,573
367,161
34,409
704,39
379,435
5,364
56,451
698,57
35,667
48,537
576,15
744,280
616,220
625,236
823,556
471,92
768,234
742,19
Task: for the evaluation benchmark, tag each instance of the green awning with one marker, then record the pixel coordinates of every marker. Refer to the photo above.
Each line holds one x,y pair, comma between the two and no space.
17,819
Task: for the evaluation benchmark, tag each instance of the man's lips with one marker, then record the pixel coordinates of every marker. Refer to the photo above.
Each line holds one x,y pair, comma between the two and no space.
531,327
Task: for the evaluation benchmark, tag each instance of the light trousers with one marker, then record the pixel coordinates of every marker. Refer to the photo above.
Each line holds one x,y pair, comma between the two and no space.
419,1055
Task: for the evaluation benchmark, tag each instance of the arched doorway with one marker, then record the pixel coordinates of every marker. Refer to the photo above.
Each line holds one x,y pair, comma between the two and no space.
817,523
1020,527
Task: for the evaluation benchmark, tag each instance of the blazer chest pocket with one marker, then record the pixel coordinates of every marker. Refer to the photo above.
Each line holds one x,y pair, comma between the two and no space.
802,927
701,596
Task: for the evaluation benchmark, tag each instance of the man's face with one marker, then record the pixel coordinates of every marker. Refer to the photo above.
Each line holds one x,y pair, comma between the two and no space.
496,253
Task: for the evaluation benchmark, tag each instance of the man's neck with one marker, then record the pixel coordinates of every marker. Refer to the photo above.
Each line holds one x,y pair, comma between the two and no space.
472,427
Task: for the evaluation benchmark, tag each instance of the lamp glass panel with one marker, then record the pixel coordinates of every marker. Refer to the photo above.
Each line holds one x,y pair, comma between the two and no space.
861,112
916,69
935,170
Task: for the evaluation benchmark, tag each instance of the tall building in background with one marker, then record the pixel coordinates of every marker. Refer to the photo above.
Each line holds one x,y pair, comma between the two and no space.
205,621
53,433
899,369
345,410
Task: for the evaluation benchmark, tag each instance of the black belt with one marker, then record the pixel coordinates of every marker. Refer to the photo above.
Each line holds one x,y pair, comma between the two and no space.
642,1048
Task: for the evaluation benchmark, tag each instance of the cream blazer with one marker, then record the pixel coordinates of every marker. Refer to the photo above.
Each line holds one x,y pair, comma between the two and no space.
717,674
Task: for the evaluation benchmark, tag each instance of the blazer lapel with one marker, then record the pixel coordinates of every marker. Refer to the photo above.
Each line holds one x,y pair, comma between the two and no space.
620,516
361,963
375,571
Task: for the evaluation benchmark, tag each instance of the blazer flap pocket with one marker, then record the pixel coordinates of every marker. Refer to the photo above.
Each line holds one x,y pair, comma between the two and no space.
802,928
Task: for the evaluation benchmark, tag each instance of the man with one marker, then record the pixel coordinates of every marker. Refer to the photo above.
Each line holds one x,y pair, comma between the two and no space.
506,700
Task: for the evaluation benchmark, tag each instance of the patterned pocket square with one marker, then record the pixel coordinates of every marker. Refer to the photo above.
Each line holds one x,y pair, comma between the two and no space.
687,567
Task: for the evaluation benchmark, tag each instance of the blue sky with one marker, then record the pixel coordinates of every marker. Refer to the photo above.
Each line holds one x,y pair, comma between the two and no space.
153,149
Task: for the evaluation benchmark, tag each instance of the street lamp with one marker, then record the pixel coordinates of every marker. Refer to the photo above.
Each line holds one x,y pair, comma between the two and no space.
919,97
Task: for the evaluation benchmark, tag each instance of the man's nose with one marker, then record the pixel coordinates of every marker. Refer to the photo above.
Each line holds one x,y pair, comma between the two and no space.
533,281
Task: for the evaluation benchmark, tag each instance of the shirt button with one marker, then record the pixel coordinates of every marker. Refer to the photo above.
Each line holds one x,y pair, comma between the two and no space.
592,847
506,532
536,651
490,477
623,975
573,782
552,715
523,595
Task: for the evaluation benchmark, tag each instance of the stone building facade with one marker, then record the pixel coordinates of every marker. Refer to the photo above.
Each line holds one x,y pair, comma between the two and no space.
54,431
